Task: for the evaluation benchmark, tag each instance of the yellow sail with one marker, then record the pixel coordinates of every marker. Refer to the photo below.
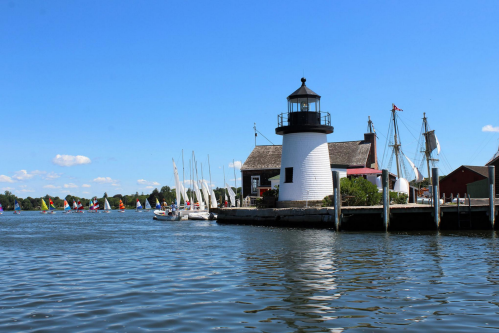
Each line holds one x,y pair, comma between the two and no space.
44,205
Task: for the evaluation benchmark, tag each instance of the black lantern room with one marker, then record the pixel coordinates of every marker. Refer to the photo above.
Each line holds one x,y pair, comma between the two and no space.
304,113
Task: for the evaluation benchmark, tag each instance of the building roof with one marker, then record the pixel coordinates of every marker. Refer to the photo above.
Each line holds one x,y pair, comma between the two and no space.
481,170
362,171
303,91
351,153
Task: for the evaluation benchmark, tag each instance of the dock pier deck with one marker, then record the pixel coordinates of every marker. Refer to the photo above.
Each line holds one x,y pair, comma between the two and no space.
402,217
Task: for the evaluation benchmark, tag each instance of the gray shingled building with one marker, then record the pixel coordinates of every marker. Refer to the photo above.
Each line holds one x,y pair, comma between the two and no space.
264,162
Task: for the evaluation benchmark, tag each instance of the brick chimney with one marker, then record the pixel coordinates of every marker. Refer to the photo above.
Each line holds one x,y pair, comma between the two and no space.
372,159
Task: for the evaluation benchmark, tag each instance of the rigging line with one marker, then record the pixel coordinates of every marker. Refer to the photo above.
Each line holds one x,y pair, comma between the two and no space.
480,150
264,137
386,143
407,128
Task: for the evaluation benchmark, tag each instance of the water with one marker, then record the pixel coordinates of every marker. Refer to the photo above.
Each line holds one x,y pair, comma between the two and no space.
129,273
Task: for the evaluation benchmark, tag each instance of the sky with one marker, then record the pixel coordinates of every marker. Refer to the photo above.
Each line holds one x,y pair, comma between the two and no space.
99,96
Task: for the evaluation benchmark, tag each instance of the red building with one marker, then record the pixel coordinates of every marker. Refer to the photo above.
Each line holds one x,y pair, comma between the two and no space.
455,182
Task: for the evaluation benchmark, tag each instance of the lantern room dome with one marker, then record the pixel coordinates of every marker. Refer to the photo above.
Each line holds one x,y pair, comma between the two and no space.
303,91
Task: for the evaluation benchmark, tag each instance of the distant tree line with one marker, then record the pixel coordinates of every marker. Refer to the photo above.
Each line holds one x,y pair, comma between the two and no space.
166,194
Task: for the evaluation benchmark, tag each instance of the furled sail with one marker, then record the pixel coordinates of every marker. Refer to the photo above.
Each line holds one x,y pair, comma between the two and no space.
206,191
184,194
431,141
438,145
198,195
417,173
232,195
177,183
212,194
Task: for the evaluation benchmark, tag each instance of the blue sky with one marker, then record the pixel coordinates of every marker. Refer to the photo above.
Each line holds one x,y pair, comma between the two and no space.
129,84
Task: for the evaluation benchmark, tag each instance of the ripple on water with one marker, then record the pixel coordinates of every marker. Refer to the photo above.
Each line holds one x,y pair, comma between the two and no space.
129,273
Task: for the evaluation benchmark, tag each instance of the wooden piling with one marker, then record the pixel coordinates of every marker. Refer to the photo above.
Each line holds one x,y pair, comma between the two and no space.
386,199
337,200
436,197
492,195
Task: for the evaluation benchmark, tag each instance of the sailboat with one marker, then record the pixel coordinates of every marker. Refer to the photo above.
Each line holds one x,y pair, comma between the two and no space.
44,207
122,207
138,206
80,208
51,207
96,206
67,207
158,206
17,207
91,206
107,206
148,206
75,206
174,215
1,209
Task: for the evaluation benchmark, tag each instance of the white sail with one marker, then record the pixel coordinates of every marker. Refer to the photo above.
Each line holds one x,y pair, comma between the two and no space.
177,182
148,205
232,195
417,173
212,193
184,194
206,191
438,145
107,206
198,195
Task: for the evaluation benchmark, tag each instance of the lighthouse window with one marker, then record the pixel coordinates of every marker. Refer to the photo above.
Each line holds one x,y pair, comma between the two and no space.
255,182
288,175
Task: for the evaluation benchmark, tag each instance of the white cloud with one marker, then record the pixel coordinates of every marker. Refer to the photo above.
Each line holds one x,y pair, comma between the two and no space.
26,190
70,185
86,185
145,182
5,179
115,184
237,164
70,160
22,175
52,176
490,128
8,189
51,186
104,180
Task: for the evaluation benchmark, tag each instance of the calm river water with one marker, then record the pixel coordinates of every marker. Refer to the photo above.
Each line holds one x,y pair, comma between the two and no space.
129,273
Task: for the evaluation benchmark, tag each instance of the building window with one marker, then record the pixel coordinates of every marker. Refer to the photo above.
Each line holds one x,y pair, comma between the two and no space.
288,175
255,182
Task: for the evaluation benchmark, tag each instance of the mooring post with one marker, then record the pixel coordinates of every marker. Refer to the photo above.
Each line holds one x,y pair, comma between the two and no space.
458,214
492,195
337,200
436,197
386,199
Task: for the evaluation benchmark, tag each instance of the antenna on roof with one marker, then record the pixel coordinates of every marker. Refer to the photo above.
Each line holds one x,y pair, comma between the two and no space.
254,127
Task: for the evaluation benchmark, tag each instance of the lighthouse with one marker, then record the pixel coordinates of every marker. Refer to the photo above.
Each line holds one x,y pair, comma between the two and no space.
305,167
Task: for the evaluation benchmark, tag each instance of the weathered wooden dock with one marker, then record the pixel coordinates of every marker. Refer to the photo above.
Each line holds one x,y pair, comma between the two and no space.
475,214
402,217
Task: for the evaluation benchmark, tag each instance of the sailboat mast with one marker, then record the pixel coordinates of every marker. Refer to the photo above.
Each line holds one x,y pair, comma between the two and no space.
427,150
235,178
183,179
396,145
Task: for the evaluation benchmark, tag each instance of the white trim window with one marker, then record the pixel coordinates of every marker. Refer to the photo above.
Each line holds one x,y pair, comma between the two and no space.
255,182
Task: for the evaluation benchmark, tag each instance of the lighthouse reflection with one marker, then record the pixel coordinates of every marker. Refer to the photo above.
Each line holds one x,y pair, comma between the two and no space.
298,279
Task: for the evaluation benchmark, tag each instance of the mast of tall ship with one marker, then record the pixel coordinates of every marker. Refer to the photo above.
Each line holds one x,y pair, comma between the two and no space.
428,147
396,145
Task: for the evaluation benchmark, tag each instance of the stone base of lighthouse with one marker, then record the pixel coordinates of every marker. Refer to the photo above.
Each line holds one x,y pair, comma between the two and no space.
306,156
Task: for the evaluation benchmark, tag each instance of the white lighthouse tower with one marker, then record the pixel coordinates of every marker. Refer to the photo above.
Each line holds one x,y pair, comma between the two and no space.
305,166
